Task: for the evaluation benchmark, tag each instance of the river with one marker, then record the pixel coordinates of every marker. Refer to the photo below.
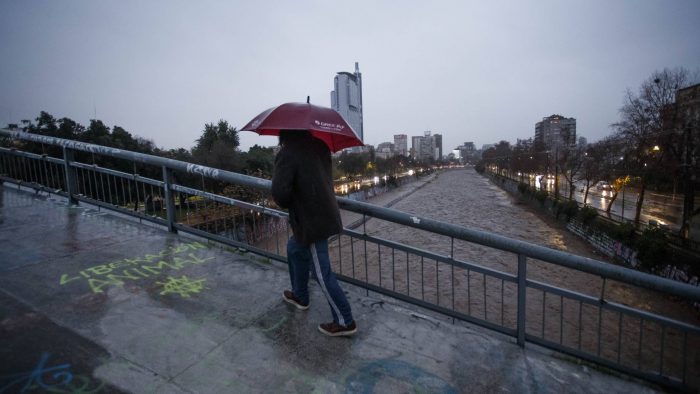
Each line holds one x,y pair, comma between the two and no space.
465,198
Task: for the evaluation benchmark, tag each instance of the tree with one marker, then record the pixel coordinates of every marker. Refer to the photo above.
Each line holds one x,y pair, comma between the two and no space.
181,154
217,147
45,124
69,129
572,160
617,185
97,132
122,139
641,123
522,159
499,156
353,164
389,166
260,160
593,166
559,156
613,166
680,122
212,133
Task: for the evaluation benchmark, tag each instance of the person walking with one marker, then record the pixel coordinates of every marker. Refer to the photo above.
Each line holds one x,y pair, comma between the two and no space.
302,183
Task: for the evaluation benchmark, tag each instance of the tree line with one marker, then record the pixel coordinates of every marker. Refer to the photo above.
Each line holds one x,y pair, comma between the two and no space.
218,146
365,165
655,144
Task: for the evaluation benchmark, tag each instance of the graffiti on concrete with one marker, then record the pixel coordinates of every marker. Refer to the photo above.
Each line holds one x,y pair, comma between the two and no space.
118,272
372,373
54,379
183,286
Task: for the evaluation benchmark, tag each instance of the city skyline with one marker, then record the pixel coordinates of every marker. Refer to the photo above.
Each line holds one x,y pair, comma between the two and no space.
472,72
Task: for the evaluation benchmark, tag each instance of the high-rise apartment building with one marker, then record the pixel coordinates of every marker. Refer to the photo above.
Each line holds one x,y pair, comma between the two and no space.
346,98
401,144
384,150
555,131
437,141
415,146
467,152
469,146
427,147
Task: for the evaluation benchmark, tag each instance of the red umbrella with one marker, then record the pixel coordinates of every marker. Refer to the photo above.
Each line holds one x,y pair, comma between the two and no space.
324,123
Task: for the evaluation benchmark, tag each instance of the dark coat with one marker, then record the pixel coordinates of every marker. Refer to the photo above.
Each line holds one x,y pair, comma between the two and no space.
303,183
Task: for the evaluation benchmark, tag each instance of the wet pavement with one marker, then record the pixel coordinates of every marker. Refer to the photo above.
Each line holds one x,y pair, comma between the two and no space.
94,302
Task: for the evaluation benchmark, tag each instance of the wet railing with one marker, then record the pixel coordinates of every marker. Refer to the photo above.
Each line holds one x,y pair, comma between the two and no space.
453,275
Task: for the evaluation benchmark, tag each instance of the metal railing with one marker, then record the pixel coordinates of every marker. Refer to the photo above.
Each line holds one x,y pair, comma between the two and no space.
499,283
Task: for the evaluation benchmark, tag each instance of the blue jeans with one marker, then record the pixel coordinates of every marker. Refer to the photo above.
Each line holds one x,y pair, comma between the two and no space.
314,258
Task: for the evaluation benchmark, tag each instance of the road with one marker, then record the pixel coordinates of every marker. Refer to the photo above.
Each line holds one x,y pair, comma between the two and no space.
665,209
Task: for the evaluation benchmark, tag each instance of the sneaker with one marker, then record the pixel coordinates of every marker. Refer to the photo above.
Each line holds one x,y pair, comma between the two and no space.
292,299
334,329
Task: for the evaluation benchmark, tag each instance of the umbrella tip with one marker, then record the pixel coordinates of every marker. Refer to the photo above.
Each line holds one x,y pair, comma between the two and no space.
308,99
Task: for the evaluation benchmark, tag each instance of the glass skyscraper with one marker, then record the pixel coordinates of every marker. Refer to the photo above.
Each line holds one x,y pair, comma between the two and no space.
346,98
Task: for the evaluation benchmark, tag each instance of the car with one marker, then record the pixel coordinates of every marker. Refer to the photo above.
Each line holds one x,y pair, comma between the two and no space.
603,186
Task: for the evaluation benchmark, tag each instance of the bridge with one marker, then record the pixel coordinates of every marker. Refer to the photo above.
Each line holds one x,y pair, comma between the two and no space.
140,281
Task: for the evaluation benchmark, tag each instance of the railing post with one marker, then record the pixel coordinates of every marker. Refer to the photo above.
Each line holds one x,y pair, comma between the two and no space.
522,291
71,176
169,198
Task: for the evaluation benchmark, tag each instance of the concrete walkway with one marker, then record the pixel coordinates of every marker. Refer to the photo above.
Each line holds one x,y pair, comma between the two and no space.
93,302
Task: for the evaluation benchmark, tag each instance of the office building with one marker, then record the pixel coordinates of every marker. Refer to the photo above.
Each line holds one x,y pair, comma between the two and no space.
401,144
437,146
427,147
346,98
415,146
467,153
384,150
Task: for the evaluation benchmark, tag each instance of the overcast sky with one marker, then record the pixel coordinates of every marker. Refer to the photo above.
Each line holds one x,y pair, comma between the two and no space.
479,71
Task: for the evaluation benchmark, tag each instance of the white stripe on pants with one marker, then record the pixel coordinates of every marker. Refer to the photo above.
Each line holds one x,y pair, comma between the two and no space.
319,275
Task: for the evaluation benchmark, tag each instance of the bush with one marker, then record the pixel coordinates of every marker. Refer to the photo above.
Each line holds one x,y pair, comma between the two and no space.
541,196
523,188
652,249
568,208
587,215
623,232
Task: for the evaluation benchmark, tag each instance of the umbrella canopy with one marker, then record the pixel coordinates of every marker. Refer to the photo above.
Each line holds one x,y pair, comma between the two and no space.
323,123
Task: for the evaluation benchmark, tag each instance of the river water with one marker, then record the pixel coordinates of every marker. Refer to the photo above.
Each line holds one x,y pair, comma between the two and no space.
463,197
